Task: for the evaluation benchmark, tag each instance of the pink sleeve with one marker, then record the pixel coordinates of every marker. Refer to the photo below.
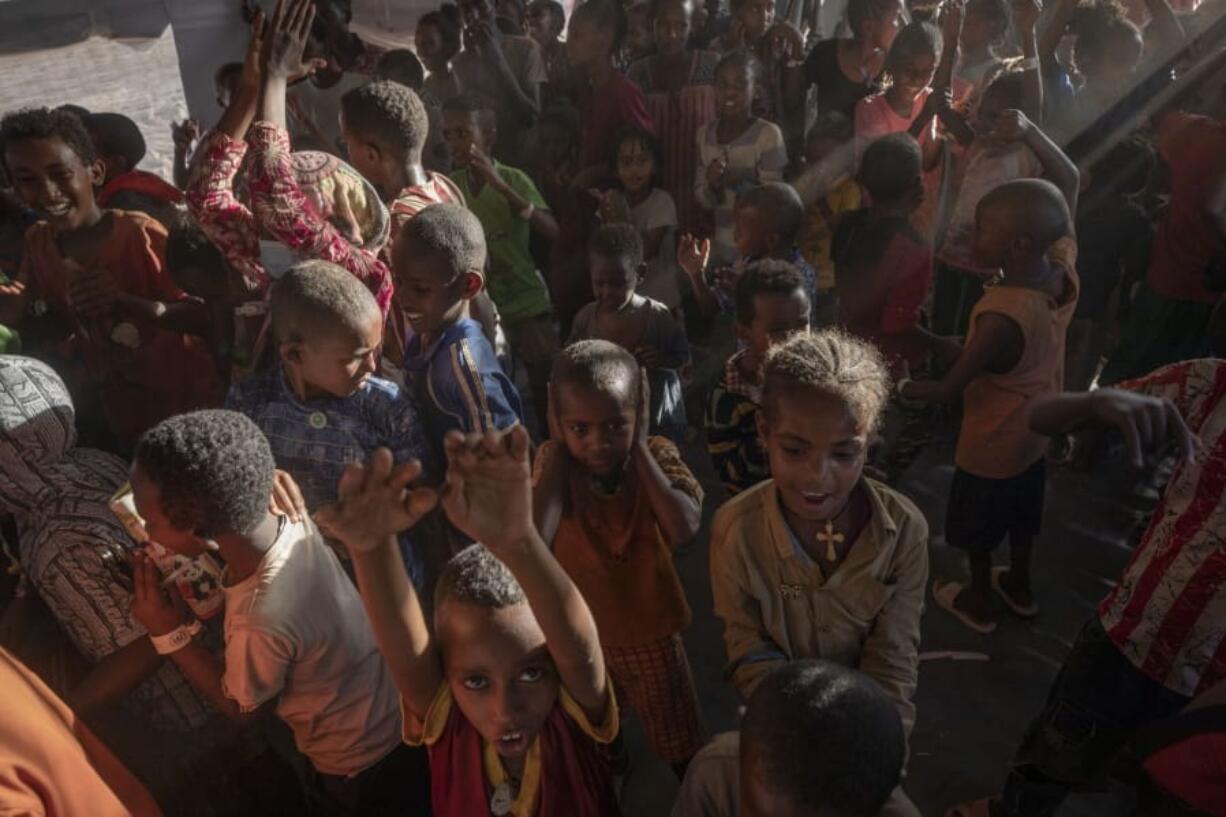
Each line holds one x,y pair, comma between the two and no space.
906,297
283,211
868,125
221,216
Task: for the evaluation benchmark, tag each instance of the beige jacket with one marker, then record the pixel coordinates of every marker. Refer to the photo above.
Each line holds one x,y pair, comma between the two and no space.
777,605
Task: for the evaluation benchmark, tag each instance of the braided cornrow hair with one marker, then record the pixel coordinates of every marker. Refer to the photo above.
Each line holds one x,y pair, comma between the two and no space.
834,362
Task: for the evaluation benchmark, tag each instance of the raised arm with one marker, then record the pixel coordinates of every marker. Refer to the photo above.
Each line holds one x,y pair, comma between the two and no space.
1058,168
488,495
672,492
1164,34
374,504
1053,34
1026,21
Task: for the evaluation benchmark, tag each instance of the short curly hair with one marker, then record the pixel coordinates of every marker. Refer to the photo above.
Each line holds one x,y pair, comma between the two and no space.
830,361
779,204
824,737
860,12
891,166
389,115
318,297
114,134
213,469
743,59
449,233
768,276
45,123
596,364
403,66
618,242
476,576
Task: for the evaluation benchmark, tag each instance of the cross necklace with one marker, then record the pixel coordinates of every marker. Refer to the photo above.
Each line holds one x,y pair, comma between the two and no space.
829,538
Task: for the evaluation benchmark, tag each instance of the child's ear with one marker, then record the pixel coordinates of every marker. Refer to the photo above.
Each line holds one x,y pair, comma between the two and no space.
473,283
759,419
291,351
97,172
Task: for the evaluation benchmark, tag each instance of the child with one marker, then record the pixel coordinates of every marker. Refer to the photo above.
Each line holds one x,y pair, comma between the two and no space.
736,151
767,220
820,561
510,209
455,377
385,127
1014,354
771,306
612,503
608,101
437,39
403,66
985,30
508,70
226,80
816,738
98,277
120,147
636,166
640,38
321,406
883,267
312,205
638,324
845,71
508,688
679,86
546,22
828,160
297,639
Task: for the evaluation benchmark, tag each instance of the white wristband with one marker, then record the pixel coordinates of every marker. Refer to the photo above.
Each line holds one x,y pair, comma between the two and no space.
1031,64
176,639
527,212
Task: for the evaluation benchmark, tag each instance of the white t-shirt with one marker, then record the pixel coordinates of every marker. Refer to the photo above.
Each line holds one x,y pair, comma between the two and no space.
660,282
296,630
323,107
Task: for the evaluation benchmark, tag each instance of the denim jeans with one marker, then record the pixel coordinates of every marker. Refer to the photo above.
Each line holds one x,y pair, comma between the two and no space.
1097,701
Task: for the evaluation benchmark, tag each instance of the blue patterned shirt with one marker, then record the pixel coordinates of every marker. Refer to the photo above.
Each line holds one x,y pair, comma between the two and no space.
315,440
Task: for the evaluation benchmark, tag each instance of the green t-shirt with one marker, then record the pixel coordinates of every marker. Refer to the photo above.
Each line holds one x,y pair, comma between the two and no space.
517,288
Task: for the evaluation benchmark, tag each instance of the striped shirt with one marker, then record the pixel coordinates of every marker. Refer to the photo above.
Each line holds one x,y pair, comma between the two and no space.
736,449
459,384
1166,615
679,118
410,201
756,156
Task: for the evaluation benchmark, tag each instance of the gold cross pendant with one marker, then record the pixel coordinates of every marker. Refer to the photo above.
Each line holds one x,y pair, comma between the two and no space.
829,538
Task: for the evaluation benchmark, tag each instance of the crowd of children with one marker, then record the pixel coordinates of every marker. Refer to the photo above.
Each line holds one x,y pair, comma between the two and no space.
384,405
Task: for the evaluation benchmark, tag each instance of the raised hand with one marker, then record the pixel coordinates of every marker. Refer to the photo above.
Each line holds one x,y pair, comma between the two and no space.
785,43
716,171
184,134
253,61
488,492
287,38
1026,14
693,255
374,503
157,611
1011,126
950,19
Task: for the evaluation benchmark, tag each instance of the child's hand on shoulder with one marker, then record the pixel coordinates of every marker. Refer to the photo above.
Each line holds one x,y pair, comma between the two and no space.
1011,126
374,503
488,492
693,255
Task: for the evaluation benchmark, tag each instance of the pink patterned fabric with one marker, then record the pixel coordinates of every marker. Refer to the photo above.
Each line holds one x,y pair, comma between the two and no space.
281,210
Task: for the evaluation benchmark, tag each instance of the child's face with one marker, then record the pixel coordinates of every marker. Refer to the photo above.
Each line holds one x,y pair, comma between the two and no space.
613,280
994,237
640,38
776,317
672,27
462,132
880,32
474,12
542,25
751,235
334,364
755,17
50,178
431,49
817,447
598,426
979,30
991,106
500,672
912,74
635,166
428,291
733,92
557,144
147,497
586,43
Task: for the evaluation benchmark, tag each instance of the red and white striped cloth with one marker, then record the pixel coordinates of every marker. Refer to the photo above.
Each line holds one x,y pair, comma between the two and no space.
1168,613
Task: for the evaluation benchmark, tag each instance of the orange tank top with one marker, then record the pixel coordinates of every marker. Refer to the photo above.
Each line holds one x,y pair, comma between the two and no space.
995,441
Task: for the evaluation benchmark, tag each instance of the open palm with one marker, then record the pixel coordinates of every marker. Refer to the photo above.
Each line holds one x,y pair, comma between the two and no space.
374,503
488,494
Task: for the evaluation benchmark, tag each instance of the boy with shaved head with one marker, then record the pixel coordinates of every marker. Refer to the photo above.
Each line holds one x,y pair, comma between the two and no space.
1014,355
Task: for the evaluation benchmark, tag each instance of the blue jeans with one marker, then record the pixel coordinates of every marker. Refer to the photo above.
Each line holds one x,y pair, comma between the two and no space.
1097,701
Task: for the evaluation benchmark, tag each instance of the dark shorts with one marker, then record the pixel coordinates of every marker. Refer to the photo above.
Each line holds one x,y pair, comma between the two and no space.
982,511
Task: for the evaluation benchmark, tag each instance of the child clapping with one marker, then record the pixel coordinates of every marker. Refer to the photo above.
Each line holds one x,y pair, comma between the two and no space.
509,692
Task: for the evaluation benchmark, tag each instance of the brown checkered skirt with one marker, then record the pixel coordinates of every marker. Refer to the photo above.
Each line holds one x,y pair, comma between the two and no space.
655,680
